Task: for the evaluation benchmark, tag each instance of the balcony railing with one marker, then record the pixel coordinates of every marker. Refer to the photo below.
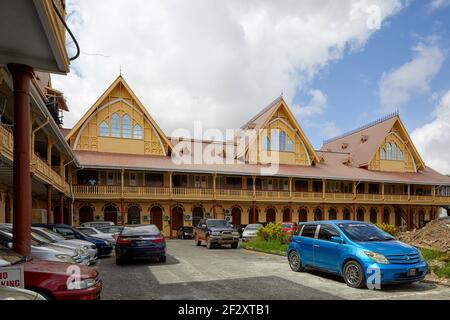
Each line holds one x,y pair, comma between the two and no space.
368,196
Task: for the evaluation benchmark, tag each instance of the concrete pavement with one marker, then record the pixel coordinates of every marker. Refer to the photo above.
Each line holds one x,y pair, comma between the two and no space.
198,273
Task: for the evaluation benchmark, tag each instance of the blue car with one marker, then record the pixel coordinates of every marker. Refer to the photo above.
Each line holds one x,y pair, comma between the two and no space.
104,247
141,242
360,252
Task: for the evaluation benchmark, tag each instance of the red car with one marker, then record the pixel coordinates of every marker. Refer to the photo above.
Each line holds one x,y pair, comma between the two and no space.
49,278
289,227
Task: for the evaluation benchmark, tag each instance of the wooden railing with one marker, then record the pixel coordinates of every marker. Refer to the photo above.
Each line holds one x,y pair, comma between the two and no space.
6,143
369,197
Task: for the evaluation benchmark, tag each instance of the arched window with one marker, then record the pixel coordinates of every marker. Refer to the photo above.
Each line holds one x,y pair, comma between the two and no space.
290,145
115,125
137,132
282,141
394,152
388,151
400,155
383,154
275,140
104,129
266,143
126,126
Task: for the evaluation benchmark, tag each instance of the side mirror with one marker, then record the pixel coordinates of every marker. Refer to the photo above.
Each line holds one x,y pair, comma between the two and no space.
337,239
10,245
204,226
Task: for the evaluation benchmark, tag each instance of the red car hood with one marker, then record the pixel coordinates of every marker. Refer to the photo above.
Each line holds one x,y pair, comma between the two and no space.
57,268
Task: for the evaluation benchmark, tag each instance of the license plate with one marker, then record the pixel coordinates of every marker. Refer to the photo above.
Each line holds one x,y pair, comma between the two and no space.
412,272
143,243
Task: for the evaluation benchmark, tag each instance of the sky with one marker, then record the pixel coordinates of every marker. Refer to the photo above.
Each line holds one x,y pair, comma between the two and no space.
338,64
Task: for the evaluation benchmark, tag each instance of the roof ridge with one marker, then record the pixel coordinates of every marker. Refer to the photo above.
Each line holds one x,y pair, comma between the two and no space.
366,126
259,114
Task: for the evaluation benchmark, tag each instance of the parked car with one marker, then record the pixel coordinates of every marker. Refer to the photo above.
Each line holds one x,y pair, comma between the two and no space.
97,224
355,250
10,293
49,278
43,240
250,231
111,229
216,232
185,233
104,247
44,251
94,232
288,227
89,247
140,242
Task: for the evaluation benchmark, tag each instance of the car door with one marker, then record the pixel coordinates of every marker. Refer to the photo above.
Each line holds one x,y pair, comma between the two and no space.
305,243
327,252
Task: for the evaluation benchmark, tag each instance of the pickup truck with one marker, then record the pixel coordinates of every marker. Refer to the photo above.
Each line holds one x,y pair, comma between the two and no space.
215,232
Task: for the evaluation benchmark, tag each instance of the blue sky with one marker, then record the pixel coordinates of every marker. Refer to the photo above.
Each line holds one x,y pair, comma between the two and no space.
351,83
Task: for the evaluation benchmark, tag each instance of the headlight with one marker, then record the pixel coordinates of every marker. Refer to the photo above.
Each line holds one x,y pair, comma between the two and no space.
107,243
82,284
65,258
377,257
421,255
81,251
215,233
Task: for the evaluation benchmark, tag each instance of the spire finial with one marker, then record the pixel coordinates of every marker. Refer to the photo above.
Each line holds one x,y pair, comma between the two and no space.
120,70
282,93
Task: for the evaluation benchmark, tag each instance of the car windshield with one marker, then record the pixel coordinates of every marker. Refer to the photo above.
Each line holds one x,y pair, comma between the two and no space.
139,231
51,235
362,232
110,229
253,226
217,223
87,231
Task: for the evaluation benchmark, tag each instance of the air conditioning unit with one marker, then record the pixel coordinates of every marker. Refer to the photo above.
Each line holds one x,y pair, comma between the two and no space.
228,218
228,212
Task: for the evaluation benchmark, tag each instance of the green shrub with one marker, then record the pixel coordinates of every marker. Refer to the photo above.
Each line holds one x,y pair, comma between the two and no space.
389,228
273,232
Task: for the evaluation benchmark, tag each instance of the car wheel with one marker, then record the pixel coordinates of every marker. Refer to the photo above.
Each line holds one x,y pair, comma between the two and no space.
295,262
162,259
46,295
354,275
234,245
197,242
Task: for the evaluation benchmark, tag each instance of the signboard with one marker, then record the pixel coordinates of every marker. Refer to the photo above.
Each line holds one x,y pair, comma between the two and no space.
12,277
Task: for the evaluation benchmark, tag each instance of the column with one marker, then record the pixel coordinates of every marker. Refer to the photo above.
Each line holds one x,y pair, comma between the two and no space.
50,218
22,179
61,206
70,212
49,151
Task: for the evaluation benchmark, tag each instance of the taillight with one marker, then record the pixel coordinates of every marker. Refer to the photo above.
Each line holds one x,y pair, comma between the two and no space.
122,240
158,239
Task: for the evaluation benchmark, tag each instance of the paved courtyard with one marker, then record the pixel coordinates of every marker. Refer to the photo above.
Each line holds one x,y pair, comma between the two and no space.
197,273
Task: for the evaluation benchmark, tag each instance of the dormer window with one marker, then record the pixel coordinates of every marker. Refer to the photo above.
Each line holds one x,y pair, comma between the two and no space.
344,146
364,138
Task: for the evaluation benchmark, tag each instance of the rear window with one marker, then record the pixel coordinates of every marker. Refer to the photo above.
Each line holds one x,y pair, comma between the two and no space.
309,231
87,231
286,225
142,230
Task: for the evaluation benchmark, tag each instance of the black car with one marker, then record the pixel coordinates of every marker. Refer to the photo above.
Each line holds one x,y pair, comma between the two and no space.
140,242
185,233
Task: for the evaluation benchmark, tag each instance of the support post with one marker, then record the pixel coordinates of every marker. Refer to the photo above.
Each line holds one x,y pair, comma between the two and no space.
22,75
61,207
50,218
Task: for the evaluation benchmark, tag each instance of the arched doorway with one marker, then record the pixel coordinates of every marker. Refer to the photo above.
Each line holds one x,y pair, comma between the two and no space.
86,214
270,215
134,215
302,215
318,214
236,216
421,218
360,214
287,215
386,216
177,218
110,214
332,214
156,216
346,214
197,215
398,217
253,215
373,215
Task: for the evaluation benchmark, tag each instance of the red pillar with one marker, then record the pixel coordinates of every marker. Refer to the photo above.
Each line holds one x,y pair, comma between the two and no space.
70,212
254,213
50,218
22,179
122,212
61,206
170,219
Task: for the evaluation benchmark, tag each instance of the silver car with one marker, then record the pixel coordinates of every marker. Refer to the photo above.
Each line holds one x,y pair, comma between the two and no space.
8,293
250,231
94,232
44,251
56,238
97,224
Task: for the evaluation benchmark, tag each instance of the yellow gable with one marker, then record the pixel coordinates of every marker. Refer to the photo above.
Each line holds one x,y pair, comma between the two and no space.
119,123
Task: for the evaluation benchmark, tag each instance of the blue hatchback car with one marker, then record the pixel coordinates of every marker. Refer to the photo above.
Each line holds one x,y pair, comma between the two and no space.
359,252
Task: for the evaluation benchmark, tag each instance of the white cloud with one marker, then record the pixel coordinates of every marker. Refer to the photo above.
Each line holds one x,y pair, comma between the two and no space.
316,105
433,138
398,86
216,61
437,4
